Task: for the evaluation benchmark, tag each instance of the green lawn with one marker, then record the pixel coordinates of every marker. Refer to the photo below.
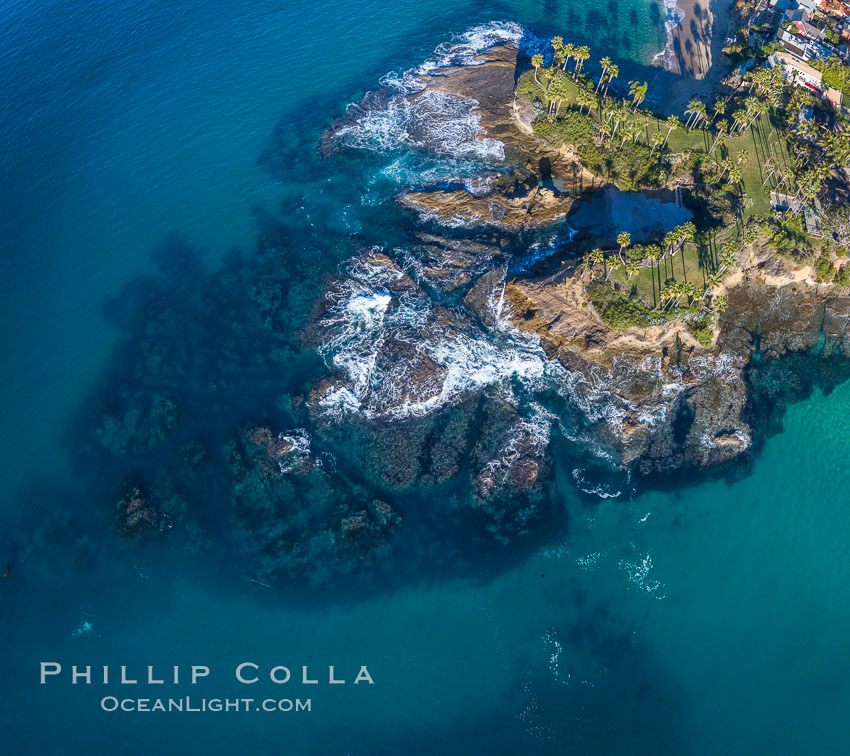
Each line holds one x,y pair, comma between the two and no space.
761,141
691,264
765,148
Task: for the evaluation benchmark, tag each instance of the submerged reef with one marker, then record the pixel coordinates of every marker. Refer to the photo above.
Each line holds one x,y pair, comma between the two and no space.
396,374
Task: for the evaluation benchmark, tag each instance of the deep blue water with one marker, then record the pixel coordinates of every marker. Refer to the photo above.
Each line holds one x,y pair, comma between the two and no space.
141,145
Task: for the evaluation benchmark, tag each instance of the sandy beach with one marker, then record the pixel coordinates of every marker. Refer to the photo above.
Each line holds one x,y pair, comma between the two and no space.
695,49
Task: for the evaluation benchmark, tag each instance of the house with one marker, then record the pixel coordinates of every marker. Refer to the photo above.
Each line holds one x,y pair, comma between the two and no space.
806,42
796,70
783,203
809,6
793,43
835,8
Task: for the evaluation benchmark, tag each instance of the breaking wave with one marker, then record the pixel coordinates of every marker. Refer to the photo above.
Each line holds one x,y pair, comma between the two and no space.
400,354
674,16
403,116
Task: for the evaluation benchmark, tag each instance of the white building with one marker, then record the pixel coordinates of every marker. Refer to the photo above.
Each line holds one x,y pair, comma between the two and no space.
797,71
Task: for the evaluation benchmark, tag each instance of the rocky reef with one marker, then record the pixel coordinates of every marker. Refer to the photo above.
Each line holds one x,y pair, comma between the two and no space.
672,402
410,366
651,398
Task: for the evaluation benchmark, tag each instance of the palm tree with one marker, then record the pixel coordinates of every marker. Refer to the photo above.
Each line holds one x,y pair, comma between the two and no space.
557,91
619,115
686,232
613,73
616,264
581,54
692,111
605,63
666,294
669,242
624,239
657,139
585,99
597,257
569,52
809,184
672,123
719,304
755,108
632,268
838,147
719,108
743,156
557,43
560,56
554,89
702,114
735,174
722,128
629,131
740,119
637,92
536,61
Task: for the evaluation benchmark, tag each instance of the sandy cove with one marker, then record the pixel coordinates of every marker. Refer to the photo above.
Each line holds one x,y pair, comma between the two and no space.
695,50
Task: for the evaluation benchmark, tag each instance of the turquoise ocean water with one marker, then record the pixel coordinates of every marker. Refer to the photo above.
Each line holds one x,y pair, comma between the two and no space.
699,616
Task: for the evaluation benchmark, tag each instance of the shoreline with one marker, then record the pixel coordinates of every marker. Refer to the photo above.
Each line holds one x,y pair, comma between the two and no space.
694,49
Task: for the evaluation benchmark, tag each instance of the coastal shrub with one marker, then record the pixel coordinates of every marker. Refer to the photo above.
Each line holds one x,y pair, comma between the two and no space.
526,85
835,73
842,277
700,326
630,166
836,225
711,207
571,128
824,268
788,242
617,310
729,254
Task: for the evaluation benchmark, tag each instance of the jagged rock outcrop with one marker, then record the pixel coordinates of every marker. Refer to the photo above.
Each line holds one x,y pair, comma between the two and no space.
674,402
654,398
512,209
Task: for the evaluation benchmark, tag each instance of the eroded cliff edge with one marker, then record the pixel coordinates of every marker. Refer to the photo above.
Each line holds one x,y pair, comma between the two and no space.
657,397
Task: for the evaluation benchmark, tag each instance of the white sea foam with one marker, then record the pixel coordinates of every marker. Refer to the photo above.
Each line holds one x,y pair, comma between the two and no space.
362,315
638,575
378,129
340,401
369,308
529,436
590,562
594,489
413,169
674,16
436,121
297,456
557,650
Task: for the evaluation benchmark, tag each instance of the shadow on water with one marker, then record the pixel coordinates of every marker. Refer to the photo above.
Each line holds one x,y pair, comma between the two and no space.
601,692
